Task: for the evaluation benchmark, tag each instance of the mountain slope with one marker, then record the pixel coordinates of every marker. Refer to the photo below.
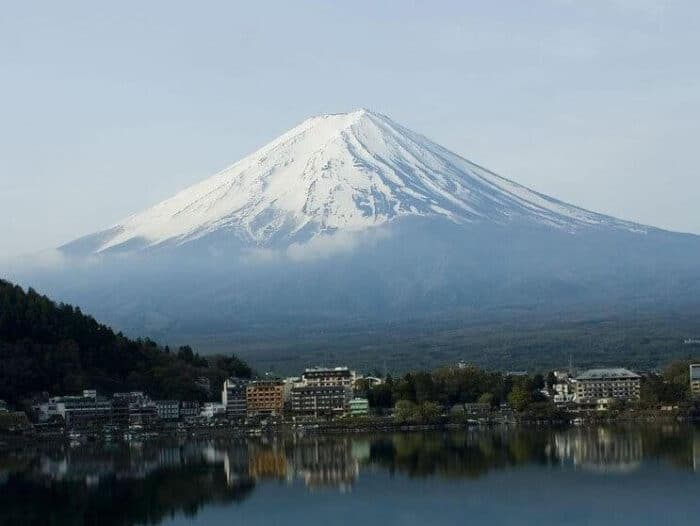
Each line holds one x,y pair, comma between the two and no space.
353,220
341,172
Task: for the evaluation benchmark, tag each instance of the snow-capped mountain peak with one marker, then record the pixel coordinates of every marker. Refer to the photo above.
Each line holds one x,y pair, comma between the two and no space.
342,172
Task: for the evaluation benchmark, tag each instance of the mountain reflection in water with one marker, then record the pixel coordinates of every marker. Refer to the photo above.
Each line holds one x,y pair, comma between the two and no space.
148,482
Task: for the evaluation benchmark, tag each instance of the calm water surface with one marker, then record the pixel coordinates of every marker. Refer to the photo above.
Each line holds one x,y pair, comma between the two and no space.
640,475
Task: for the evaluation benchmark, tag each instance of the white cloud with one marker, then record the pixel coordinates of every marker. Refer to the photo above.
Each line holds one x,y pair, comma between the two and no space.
328,245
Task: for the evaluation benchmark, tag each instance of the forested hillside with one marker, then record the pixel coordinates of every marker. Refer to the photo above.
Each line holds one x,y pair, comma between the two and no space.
52,347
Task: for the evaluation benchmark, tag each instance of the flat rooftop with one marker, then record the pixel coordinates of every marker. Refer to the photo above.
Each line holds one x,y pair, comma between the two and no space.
607,374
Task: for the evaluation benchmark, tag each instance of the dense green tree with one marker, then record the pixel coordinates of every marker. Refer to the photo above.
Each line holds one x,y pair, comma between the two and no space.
428,413
233,366
520,397
551,379
380,396
486,398
52,347
538,381
405,411
458,415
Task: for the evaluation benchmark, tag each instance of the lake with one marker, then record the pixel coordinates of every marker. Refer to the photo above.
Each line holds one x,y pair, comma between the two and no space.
592,476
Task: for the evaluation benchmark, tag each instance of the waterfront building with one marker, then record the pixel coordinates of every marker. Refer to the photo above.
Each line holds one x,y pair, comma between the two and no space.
326,377
289,384
477,409
168,409
76,411
190,409
561,375
611,384
143,415
14,422
131,397
695,380
46,410
358,407
265,397
212,409
120,409
3,406
564,390
133,408
233,397
320,400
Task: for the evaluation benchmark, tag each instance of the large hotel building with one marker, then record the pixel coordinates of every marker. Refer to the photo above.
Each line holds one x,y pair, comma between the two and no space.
597,384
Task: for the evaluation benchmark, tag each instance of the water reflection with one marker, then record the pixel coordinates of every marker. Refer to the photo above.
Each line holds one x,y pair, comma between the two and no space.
155,480
602,450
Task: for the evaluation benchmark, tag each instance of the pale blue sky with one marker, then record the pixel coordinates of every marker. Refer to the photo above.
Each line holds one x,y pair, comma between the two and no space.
106,108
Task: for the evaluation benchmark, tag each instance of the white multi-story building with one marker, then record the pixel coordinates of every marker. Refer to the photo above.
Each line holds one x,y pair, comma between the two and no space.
321,400
189,409
212,409
695,379
328,377
289,384
168,409
564,392
76,410
610,384
321,390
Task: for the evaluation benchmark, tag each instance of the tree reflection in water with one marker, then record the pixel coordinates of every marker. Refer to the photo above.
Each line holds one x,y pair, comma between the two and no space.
122,484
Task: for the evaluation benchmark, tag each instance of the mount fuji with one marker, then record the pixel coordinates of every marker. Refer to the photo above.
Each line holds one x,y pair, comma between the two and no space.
353,220
345,172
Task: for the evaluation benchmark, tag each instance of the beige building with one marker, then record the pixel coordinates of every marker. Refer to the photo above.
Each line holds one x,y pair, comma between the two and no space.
265,397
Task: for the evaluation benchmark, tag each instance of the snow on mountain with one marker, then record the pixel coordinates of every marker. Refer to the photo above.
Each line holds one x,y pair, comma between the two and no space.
343,172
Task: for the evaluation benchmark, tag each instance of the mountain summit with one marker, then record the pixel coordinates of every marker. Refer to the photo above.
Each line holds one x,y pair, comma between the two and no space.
353,219
341,172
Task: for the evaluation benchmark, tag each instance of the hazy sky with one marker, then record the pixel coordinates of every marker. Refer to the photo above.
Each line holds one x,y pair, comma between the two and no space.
108,107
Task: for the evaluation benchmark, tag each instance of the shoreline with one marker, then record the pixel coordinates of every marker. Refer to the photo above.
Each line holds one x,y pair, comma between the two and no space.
334,428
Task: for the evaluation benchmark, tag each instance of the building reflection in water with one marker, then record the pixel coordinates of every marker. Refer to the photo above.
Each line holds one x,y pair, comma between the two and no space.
267,461
318,462
156,479
325,462
601,449
335,462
